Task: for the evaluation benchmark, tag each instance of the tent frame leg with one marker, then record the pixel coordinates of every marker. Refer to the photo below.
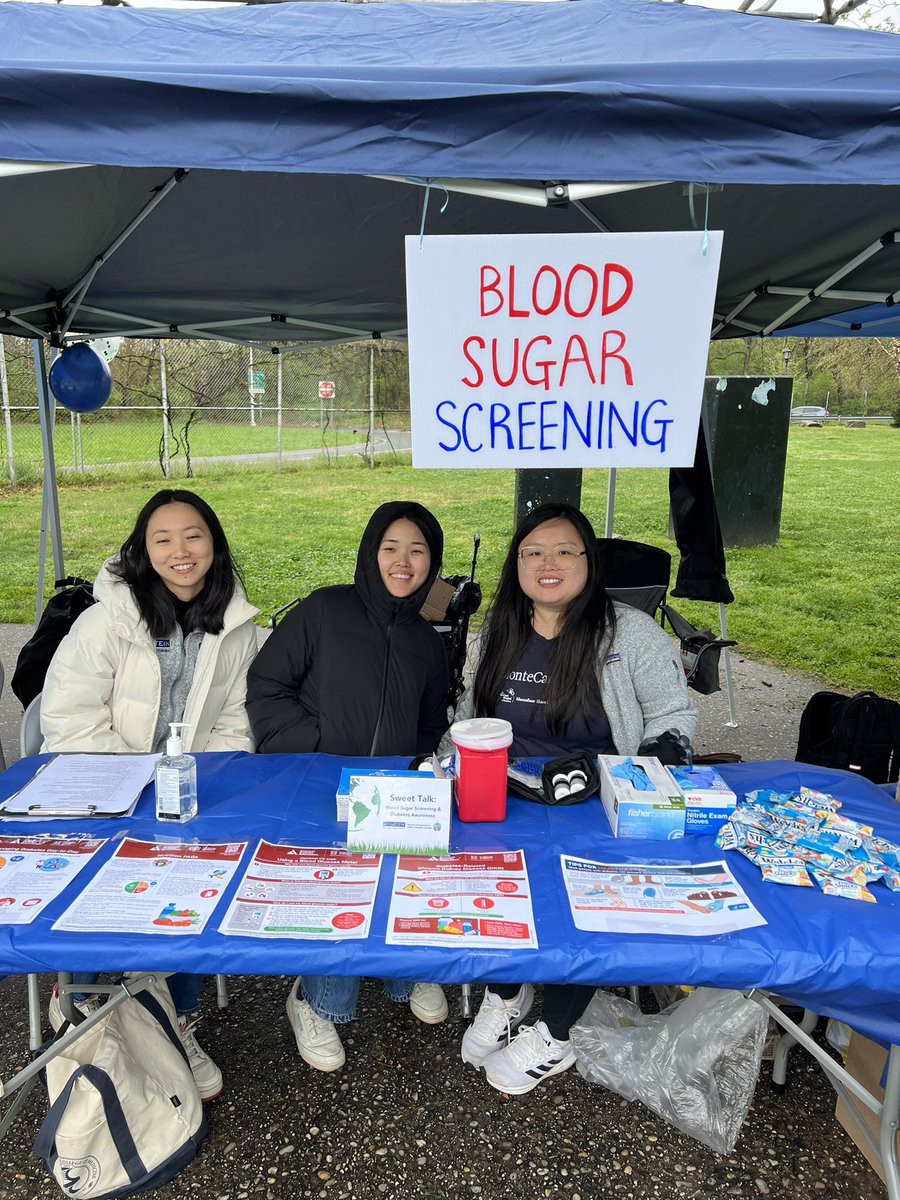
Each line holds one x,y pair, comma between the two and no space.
732,723
50,520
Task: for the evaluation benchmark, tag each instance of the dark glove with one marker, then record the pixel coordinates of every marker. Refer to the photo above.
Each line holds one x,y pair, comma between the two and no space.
672,749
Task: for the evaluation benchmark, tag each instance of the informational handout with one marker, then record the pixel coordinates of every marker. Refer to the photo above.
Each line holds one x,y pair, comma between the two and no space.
304,892
694,899
34,870
483,898
74,786
391,814
155,887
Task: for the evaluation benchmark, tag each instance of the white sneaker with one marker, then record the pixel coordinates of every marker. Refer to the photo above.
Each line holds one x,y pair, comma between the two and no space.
495,1023
317,1039
207,1075
532,1056
429,1003
86,1006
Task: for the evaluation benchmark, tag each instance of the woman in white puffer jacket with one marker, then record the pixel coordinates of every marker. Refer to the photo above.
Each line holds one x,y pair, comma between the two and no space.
170,638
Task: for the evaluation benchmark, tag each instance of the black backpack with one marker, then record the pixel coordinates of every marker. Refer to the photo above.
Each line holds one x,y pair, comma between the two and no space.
56,621
852,733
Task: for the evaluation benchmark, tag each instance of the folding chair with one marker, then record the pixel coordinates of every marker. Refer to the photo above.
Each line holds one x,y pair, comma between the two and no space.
639,575
635,573
30,736
448,608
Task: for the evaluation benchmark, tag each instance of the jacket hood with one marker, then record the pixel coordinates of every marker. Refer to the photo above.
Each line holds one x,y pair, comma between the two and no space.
115,596
367,578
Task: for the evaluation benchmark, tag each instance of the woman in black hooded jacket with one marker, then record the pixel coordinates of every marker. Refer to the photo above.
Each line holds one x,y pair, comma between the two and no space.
354,669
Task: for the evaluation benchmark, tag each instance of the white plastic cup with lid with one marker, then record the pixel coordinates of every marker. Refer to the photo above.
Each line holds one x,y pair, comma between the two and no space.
481,762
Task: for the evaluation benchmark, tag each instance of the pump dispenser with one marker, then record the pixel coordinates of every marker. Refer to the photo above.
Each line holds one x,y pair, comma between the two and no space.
176,779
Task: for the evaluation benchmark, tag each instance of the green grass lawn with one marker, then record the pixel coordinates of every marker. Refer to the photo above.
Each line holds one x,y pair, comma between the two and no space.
824,599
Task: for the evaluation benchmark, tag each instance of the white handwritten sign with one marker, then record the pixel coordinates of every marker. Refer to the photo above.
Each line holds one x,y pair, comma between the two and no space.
558,350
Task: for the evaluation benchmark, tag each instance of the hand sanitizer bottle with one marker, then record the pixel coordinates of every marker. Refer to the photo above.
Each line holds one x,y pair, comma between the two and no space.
176,780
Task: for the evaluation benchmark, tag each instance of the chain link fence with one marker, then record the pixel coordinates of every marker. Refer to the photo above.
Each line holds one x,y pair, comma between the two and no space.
179,407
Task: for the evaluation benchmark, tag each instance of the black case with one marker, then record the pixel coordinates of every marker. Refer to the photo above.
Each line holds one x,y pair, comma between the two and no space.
579,760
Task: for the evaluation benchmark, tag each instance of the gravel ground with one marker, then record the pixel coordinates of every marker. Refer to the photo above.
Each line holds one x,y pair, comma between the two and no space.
407,1120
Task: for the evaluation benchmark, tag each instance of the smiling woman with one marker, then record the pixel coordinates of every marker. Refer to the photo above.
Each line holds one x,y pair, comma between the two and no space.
170,639
354,669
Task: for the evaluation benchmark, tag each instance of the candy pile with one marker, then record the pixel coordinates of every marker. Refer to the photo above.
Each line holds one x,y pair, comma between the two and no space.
800,837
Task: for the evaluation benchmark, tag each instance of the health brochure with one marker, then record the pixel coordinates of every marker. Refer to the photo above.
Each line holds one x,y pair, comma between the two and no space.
481,899
304,892
155,887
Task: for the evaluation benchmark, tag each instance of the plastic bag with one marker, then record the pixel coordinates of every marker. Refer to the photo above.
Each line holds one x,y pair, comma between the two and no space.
694,1064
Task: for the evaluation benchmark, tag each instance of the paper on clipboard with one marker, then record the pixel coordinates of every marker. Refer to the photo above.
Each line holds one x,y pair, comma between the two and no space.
71,786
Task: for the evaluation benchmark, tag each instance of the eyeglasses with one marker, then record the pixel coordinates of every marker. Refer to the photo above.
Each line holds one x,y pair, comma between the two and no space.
564,558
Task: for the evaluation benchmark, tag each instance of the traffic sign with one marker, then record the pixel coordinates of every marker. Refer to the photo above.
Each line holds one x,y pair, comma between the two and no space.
326,389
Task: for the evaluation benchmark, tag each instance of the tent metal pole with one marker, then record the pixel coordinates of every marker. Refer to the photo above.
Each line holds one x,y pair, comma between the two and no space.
50,523
372,406
589,216
610,503
7,419
835,277
164,401
76,293
520,193
729,682
279,394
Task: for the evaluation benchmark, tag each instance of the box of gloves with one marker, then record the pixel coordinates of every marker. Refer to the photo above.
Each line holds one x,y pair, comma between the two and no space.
708,799
640,798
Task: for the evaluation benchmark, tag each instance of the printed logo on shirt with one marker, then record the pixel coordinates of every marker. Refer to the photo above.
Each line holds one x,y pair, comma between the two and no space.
527,676
510,697
611,658
163,644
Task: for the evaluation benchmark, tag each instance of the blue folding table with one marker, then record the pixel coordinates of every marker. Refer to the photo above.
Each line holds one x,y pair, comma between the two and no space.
832,956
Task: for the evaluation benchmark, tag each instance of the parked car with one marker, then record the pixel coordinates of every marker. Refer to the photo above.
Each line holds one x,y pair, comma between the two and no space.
809,412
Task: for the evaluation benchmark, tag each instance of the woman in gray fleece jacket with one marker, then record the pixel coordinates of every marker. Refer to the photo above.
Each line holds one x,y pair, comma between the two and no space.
571,671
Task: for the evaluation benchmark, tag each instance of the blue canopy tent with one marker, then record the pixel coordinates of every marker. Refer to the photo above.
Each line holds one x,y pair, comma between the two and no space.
250,173
265,161
874,320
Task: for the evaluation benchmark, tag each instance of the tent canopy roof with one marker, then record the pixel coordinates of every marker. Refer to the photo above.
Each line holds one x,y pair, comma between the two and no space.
283,114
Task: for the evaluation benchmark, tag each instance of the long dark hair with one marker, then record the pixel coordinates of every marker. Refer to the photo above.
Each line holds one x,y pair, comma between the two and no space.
154,600
572,679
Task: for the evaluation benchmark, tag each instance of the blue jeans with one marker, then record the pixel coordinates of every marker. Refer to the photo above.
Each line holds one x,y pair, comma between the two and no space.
184,989
333,997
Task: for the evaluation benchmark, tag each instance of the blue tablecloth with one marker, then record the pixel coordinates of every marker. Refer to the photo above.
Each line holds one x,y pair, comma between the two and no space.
838,957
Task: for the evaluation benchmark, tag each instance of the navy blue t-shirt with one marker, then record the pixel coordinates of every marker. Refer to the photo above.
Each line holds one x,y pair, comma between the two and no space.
521,703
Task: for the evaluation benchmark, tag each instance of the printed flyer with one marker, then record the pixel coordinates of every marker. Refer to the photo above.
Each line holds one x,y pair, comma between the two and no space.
155,887
304,892
483,898
34,870
695,899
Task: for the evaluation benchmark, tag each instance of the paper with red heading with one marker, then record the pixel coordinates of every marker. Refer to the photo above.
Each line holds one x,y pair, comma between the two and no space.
34,870
483,899
304,892
155,887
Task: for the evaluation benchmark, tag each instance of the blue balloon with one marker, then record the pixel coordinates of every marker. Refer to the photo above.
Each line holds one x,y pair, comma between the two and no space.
80,379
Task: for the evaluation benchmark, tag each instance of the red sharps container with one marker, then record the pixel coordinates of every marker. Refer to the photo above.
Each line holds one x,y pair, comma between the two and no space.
481,761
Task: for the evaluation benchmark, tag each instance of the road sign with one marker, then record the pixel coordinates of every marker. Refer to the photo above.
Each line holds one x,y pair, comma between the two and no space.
257,383
326,389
